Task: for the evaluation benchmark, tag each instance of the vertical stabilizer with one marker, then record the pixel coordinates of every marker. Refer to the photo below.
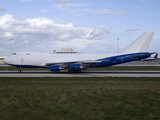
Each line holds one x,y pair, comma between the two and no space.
141,44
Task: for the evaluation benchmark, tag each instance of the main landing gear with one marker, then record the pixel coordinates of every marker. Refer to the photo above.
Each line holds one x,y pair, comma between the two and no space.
70,71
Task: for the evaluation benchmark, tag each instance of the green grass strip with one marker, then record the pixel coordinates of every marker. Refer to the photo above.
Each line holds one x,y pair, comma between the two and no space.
93,98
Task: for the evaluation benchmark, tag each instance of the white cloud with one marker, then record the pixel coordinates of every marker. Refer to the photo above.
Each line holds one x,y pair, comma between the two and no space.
134,24
105,11
80,45
58,21
132,31
44,10
46,32
3,9
97,32
64,1
26,41
60,1
63,6
8,34
5,19
74,8
28,0
144,1
70,7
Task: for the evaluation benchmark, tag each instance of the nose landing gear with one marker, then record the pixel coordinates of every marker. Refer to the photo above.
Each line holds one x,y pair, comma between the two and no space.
19,70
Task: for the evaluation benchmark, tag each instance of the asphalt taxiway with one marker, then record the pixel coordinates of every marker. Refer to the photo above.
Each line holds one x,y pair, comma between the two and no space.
82,74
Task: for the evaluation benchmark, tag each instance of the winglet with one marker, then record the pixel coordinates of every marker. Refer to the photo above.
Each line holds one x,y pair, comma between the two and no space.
141,44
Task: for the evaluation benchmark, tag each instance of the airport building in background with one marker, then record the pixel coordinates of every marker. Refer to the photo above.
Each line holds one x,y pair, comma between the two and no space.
65,51
2,58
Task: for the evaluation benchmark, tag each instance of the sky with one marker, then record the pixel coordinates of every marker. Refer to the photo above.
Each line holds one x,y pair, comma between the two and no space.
87,26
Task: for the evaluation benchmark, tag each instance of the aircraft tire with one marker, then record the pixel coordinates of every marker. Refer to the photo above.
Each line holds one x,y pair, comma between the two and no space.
70,71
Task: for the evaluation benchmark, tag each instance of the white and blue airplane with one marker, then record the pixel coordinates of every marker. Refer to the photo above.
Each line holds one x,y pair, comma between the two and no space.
77,62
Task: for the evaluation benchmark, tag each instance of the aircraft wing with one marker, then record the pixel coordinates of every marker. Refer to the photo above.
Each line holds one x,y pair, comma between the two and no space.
85,63
88,63
57,63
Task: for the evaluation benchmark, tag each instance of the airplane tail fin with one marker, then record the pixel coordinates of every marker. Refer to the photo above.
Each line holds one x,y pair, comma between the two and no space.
141,44
156,56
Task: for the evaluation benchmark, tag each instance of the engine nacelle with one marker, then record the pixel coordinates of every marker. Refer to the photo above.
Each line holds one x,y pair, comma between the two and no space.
55,68
75,67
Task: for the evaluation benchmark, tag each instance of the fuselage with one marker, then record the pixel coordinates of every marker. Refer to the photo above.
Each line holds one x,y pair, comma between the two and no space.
34,59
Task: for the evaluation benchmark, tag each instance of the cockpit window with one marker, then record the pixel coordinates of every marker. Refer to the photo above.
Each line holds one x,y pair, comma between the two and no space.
13,53
28,53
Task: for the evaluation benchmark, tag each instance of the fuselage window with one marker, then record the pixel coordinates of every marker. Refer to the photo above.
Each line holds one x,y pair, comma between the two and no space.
14,54
28,53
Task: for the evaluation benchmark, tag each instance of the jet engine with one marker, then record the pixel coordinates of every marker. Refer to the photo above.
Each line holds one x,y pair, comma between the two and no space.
75,67
54,68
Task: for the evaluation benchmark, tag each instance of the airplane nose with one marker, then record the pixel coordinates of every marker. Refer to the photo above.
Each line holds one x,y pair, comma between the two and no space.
5,61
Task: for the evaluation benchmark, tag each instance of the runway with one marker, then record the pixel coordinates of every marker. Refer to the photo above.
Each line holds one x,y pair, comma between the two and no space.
88,73
134,63
83,74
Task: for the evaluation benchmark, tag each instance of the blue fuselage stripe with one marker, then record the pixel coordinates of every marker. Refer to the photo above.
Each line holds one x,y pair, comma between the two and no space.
121,59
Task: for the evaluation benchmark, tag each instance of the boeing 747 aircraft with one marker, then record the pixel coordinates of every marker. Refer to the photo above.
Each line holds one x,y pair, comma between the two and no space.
77,62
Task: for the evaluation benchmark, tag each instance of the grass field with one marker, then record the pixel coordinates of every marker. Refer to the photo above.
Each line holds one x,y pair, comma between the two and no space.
80,98
140,68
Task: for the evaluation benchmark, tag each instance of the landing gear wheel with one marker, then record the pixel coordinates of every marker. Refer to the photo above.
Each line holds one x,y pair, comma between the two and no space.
19,71
69,71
